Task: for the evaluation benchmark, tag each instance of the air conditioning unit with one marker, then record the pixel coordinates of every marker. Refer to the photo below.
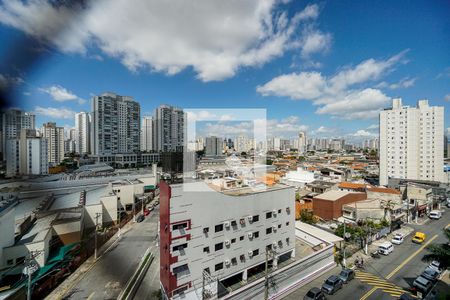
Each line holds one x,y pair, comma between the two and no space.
250,218
250,253
227,262
227,243
274,212
250,235
274,245
227,224
242,221
274,228
288,210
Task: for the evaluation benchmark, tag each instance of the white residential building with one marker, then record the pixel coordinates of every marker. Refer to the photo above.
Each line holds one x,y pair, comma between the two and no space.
55,142
82,132
147,134
223,233
168,129
411,142
11,122
115,124
27,155
214,146
302,142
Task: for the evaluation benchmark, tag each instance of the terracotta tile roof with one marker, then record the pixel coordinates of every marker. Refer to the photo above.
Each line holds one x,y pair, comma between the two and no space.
384,190
352,185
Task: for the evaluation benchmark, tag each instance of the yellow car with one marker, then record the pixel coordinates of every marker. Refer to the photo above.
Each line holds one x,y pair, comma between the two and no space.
419,237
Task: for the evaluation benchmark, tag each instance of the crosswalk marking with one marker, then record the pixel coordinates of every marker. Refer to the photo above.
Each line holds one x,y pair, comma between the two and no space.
380,283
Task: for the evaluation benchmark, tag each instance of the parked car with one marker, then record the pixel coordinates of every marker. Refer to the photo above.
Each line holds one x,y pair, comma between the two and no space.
314,294
385,248
146,212
435,265
397,239
332,285
140,218
346,275
406,296
435,214
419,237
430,274
422,284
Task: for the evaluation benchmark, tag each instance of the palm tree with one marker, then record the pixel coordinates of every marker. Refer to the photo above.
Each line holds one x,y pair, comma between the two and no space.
440,252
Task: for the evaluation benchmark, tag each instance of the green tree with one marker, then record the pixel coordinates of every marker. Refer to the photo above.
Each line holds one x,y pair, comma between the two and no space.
440,252
307,217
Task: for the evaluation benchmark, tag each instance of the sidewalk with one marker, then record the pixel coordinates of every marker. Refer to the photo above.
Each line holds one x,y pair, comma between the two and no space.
66,286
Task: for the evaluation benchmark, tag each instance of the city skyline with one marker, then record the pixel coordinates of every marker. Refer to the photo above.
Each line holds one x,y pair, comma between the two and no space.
314,81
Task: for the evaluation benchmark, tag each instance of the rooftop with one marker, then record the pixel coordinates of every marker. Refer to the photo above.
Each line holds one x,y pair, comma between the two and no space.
334,195
353,185
384,190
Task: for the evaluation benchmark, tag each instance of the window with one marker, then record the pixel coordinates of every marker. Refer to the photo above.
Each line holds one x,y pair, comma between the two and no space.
287,223
233,241
269,247
218,228
20,260
279,225
241,238
268,215
206,250
233,223
9,262
242,257
287,241
181,269
218,267
279,211
234,261
256,234
206,270
218,246
255,252
255,218
179,226
269,230
179,247
206,230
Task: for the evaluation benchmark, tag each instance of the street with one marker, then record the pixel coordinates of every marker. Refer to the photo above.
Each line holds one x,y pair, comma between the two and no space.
389,276
109,275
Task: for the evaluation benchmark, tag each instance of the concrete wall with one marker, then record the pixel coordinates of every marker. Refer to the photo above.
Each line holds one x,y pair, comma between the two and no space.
69,232
7,227
206,208
89,218
109,212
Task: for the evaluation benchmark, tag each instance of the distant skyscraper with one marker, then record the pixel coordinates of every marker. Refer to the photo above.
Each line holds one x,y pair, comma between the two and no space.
27,154
55,142
115,124
147,134
168,129
411,143
12,121
302,142
214,146
82,132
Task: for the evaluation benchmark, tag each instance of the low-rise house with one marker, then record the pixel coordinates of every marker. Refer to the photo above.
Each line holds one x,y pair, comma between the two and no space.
328,205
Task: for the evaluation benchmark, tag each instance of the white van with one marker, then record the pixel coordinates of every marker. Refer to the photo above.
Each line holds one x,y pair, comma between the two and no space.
435,214
385,248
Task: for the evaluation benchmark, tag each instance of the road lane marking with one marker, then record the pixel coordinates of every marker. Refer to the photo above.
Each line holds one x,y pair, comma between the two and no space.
378,283
410,257
365,296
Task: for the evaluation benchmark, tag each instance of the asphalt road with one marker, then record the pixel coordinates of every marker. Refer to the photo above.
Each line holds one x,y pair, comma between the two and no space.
388,276
111,272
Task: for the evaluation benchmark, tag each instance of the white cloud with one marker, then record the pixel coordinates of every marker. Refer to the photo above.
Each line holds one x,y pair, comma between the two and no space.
315,41
447,97
61,94
342,95
373,127
323,129
362,133
402,84
304,85
361,104
55,113
7,81
213,37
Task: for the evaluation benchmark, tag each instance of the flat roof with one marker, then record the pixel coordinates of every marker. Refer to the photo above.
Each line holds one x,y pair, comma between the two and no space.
334,195
38,231
317,232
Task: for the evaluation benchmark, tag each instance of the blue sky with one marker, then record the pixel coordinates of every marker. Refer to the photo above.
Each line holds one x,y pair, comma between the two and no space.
326,67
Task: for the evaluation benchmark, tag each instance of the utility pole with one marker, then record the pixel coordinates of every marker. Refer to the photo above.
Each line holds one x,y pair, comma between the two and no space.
203,285
118,231
344,260
30,269
97,215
